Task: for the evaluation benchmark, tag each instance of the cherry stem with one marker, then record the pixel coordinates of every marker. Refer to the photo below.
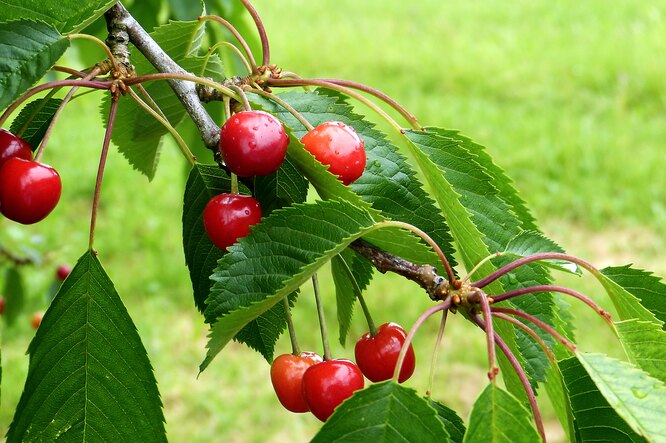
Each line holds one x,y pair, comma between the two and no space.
241,93
234,183
443,306
295,349
543,325
366,313
56,115
552,288
237,35
266,53
235,49
110,56
182,145
513,361
347,91
485,309
150,101
479,264
530,332
181,76
73,72
284,104
50,85
398,224
435,353
532,258
322,319
100,171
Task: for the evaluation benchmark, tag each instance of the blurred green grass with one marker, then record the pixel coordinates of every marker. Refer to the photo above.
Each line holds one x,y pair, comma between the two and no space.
568,97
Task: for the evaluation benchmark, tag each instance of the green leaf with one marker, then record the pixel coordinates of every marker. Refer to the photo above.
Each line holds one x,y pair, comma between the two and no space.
34,119
14,293
636,397
28,50
559,398
383,412
532,242
452,422
645,344
284,187
280,254
89,377
645,286
628,306
66,16
497,416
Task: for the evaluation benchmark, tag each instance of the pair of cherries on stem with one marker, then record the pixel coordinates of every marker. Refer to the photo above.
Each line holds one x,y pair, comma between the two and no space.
305,383
29,190
254,143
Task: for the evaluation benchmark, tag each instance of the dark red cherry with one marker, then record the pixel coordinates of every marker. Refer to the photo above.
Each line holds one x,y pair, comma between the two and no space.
328,384
29,190
253,143
13,146
228,217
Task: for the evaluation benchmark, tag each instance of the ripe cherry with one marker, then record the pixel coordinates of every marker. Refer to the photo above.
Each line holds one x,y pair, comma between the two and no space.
36,319
228,217
13,146
63,271
29,190
377,355
2,305
253,143
328,384
287,377
339,146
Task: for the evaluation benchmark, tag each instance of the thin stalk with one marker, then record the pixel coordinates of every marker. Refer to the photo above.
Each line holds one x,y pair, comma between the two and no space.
479,264
100,171
181,76
237,35
235,49
54,119
546,327
490,336
530,332
295,349
73,72
241,93
182,145
92,38
234,183
284,104
322,319
443,306
50,85
347,91
447,266
265,50
153,104
552,288
366,313
513,361
435,352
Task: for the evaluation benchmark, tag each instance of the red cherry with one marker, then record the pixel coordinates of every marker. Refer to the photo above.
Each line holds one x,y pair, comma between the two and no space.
377,355
287,377
253,143
29,190
328,384
339,146
228,217
2,305
63,271
37,319
13,146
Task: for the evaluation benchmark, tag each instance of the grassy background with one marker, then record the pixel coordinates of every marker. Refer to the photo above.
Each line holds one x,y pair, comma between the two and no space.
568,97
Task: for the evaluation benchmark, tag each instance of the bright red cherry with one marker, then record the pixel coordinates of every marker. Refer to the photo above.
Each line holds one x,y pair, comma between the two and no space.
328,384
287,377
377,355
228,217
63,271
37,319
253,143
339,146
29,190
13,146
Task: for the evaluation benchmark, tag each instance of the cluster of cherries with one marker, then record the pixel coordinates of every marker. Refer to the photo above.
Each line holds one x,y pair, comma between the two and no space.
305,382
29,190
254,143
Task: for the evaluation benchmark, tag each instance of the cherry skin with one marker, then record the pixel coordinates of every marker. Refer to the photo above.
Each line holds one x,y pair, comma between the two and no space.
328,384
377,355
287,377
2,305
339,146
37,319
228,217
29,190
253,143
63,271
13,146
